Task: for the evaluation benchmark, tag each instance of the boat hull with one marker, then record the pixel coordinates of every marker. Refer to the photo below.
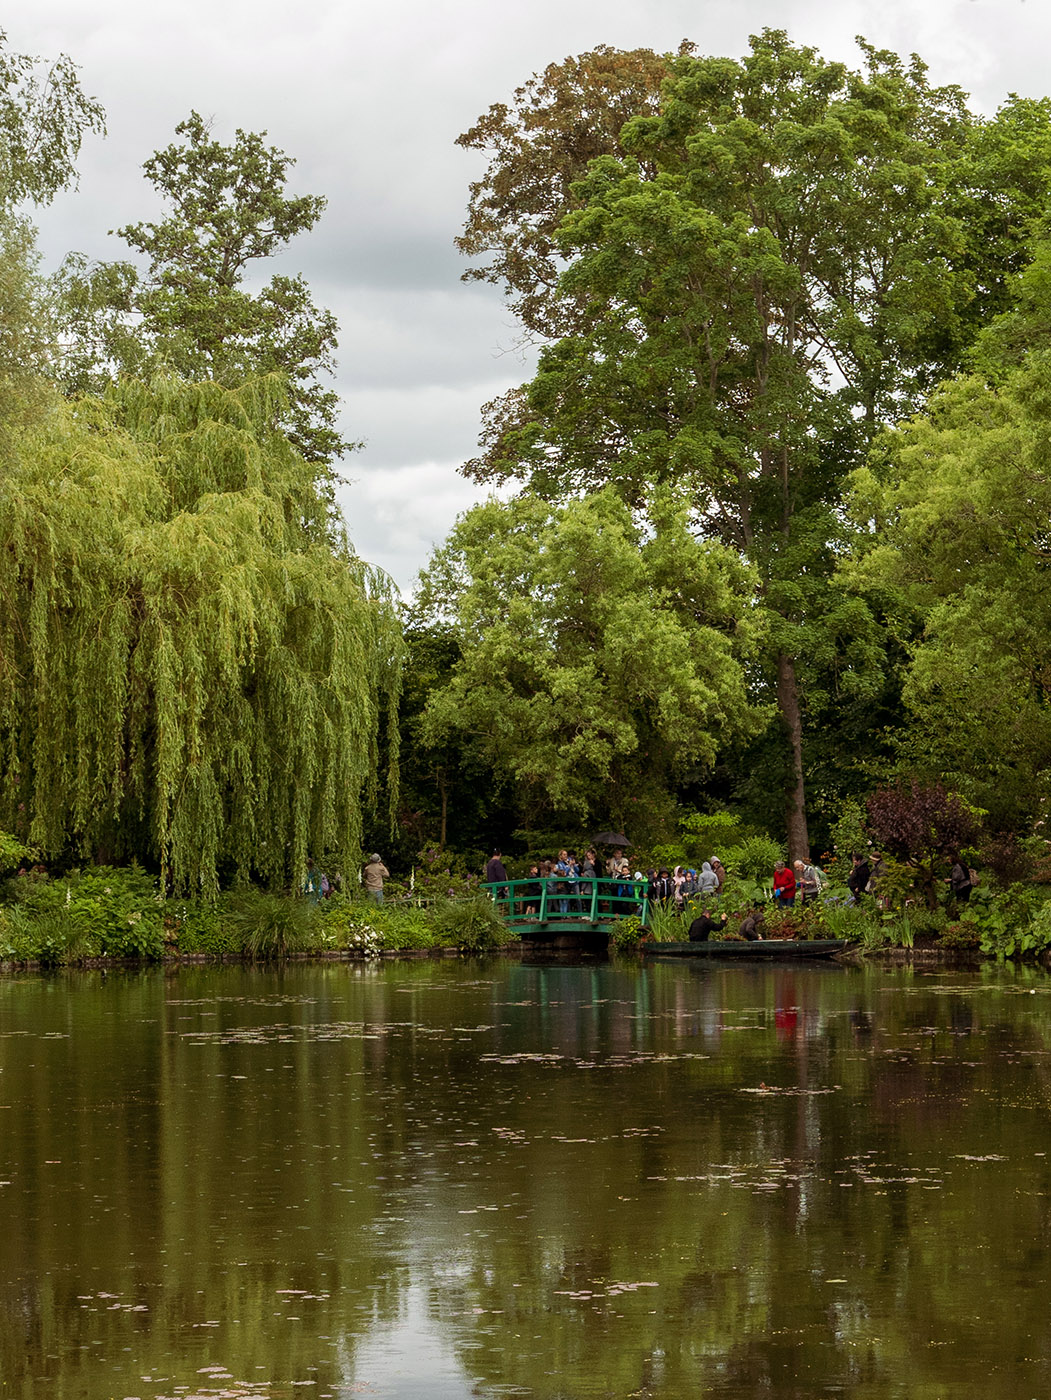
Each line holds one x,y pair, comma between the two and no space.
765,948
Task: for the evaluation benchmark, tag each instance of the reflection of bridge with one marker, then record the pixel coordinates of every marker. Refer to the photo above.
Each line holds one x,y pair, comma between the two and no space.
541,909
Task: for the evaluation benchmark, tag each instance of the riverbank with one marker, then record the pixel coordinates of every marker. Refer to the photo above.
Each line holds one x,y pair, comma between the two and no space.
102,916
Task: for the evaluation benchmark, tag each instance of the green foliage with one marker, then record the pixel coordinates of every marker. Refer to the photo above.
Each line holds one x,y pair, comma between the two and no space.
44,114
473,925
627,934
665,925
710,271
953,514
100,911
50,936
754,859
740,893
269,926
849,832
13,853
197,926
1014,922
593,658
197,666
701,837
440,874
360,925
191,314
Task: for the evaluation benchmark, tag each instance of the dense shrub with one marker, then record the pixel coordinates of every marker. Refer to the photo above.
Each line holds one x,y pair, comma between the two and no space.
194,927
358,924
270,925
472,925
753,859
104,911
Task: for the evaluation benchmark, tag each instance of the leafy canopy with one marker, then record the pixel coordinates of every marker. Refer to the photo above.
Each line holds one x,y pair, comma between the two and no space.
195,666
44,114
595,656
190,311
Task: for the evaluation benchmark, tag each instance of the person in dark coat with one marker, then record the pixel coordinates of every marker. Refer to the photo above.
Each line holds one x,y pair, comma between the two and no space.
858,878
662,888
753,926
494,873
704,925
495,870
960,880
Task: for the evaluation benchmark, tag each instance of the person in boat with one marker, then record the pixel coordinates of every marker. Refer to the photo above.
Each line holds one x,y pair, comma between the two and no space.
753,926
784,885
704,925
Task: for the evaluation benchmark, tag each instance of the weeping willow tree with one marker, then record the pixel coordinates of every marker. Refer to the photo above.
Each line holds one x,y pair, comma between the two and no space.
194,665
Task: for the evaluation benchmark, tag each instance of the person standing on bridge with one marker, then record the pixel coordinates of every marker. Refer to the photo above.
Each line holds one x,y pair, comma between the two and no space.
495,871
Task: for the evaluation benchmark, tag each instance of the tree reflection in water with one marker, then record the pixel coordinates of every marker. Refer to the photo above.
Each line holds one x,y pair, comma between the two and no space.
494,1179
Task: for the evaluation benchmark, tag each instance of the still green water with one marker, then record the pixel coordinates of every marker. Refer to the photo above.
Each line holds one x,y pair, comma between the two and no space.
452,1180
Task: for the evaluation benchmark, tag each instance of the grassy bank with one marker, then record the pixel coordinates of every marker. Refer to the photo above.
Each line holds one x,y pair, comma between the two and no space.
106,913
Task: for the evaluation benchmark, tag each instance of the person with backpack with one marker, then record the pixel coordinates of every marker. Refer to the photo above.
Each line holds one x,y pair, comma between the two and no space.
808,878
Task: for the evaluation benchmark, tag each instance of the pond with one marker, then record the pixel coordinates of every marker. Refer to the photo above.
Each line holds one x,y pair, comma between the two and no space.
450,1180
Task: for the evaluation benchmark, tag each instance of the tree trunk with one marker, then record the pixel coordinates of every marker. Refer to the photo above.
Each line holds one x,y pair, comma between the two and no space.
795,790
445,806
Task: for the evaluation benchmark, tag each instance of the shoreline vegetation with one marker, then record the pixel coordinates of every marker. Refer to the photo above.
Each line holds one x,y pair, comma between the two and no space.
101,916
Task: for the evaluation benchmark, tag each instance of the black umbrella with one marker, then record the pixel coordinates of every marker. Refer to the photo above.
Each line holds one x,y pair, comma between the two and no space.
611,838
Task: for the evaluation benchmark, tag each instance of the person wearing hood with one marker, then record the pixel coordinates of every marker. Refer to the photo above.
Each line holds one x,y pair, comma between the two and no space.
662,888
678,880
707,880
720,872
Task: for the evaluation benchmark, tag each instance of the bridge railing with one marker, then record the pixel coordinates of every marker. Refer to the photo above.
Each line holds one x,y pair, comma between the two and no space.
541,899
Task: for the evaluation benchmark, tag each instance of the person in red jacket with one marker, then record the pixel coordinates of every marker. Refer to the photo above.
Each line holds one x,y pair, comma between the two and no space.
784,884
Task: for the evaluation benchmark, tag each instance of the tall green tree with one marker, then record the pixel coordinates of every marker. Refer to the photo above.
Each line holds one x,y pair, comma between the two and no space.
538,147
769,274
193,663
190,312
954,534
44,115
596,659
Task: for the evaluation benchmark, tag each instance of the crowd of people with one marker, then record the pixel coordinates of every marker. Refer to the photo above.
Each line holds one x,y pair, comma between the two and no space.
569,884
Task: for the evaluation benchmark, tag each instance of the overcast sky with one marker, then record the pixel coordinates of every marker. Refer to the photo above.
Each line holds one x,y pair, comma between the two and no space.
369,99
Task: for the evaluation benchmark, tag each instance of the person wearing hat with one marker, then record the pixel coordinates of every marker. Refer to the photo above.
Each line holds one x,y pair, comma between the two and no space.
375,874
719,871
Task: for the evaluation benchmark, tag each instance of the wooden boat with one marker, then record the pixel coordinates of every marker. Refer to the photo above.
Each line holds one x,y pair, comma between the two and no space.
763,948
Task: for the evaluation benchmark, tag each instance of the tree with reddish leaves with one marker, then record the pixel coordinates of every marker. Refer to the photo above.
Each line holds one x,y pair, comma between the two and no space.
923,825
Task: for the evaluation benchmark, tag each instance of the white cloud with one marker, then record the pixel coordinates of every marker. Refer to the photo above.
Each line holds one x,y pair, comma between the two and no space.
370,102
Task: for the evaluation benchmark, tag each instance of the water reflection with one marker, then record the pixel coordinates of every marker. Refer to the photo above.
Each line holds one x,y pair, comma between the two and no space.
451,1180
